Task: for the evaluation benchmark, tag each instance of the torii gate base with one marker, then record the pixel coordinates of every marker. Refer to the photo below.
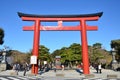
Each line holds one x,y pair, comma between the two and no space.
83,27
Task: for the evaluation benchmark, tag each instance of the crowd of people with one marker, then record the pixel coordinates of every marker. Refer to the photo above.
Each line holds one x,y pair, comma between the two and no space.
21,67
98,67
26,67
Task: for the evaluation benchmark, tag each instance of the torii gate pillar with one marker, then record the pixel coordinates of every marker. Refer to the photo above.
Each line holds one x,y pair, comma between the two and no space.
83,27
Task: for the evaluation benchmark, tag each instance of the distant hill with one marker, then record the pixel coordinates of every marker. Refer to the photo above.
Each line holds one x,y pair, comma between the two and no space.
17,56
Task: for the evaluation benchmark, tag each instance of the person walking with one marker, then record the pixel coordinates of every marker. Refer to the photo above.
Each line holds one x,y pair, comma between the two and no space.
96,67
54,68
25,68
17,67
100,68
63,67
79,69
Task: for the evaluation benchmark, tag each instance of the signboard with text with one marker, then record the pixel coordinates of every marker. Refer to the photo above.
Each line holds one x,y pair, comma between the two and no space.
33,60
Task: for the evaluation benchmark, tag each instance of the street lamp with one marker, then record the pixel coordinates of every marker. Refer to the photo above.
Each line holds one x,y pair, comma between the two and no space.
113,56
114,62
4,56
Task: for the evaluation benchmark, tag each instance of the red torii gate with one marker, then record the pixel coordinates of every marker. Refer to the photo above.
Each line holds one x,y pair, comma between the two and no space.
83,27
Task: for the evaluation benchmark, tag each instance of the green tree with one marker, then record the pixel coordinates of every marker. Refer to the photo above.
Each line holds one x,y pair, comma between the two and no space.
99,55
116,45
97,45
44,54
73,54
69,55
55,53
77,52
1,36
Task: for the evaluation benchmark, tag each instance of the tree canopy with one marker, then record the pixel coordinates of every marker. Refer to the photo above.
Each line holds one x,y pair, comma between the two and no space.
44,54
73,54
1,36
116,45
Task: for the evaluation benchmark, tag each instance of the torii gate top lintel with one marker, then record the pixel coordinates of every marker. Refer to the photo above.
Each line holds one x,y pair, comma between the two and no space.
99,14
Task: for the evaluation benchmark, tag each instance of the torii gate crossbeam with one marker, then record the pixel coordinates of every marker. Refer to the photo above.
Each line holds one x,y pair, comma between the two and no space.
83,27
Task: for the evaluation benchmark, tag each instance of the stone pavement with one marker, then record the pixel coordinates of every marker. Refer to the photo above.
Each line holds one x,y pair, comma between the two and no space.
93,75
69,74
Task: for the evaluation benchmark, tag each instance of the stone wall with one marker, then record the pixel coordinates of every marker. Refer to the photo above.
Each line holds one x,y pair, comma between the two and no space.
2,67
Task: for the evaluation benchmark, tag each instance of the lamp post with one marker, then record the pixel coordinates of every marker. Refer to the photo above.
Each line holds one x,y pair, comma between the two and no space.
114,62
113,56
3,65
4,56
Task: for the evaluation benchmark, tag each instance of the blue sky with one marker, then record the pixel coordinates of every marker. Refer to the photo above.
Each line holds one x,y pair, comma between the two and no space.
17,39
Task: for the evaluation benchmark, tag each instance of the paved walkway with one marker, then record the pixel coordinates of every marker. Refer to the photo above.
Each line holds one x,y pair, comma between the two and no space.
74,74
68,74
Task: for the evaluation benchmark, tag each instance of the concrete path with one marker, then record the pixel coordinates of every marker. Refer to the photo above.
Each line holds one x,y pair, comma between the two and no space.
69,74
74,74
